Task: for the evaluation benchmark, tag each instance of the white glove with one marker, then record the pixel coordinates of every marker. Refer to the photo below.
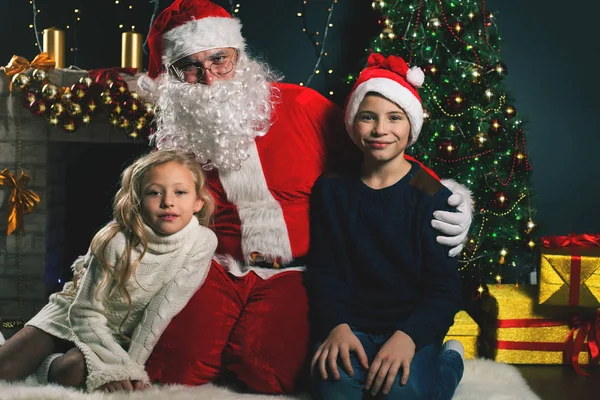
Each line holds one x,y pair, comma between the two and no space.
455,225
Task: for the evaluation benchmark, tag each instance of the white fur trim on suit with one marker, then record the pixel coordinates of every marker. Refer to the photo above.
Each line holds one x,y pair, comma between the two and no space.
199,35
393,91
263,225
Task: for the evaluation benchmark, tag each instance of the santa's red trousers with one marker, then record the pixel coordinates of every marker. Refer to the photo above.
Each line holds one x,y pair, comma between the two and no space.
256,329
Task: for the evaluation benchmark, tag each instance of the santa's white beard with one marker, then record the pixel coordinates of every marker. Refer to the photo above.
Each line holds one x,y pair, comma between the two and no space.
218,122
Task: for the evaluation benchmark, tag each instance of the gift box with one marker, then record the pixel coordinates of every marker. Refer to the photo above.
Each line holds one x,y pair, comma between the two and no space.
466,331
530,333
570,271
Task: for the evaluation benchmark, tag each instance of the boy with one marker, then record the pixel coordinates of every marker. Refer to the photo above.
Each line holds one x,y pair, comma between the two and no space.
383,293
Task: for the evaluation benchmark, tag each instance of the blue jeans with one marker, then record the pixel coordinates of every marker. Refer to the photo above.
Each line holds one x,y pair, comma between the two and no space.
433,375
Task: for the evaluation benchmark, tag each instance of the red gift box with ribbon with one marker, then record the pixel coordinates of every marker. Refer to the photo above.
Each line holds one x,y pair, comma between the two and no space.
570,270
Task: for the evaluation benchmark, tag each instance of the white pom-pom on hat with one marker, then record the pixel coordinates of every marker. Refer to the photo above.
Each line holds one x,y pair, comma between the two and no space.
415,77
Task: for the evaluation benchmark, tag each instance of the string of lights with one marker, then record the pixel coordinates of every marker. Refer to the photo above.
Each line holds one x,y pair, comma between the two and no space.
38,42
319,45
154,14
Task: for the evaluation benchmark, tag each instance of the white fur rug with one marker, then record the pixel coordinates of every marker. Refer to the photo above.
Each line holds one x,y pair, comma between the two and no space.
482,380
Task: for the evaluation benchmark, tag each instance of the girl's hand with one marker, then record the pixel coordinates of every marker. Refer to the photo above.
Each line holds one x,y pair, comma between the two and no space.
340,342
396,353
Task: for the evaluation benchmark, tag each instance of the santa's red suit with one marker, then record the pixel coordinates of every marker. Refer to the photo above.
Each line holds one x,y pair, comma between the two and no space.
256,325
254,322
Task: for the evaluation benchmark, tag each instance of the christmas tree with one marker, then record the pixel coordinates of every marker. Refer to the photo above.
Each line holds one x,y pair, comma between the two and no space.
472,131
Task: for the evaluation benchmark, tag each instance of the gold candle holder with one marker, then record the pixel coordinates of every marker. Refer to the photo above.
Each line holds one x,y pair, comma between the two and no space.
131,50
54,45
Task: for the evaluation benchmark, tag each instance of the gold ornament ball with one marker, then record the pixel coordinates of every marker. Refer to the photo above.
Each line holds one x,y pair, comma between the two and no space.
66,94
21,80
39,75
86,80
141,123
86,119
74,109
149,107
50,91
113,119
58,109
53,120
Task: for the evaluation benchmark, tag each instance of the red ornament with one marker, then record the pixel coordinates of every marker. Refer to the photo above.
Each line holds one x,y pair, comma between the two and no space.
28,97
495,126
90,107
456,101
68,123
447,150
79,90
502,201
510,112
38,107
119,91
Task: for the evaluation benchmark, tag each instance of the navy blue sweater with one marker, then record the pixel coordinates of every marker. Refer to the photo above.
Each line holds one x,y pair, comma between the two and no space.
374,262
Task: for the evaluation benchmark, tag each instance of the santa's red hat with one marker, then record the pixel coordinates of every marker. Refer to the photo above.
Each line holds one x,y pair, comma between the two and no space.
187,27
393,79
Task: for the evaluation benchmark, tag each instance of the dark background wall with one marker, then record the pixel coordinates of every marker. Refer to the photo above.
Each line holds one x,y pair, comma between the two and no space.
550,47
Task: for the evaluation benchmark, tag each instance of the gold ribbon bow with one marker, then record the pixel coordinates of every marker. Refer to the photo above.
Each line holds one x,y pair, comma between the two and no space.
19,64
21,201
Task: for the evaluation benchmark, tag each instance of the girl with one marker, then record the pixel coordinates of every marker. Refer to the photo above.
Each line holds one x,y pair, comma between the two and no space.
382,292
141,270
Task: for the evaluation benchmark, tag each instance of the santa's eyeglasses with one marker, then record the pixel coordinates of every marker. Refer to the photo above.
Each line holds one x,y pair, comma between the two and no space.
191,71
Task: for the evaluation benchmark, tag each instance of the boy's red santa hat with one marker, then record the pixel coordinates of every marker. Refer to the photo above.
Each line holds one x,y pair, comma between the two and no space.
393,79
188,27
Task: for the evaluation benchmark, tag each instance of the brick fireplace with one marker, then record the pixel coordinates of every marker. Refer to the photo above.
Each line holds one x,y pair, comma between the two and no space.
30,263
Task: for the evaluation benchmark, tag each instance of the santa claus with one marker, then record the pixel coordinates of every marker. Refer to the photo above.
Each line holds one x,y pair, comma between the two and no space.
263,144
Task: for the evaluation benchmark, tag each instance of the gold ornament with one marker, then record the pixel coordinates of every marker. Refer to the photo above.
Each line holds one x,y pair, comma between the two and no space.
86,80
65,93
50,91
53,120
39,75
21,80
58,109
74,109
113,119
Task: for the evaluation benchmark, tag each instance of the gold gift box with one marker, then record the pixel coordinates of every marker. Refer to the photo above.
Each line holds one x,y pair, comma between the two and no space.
516,306
556,277
466,331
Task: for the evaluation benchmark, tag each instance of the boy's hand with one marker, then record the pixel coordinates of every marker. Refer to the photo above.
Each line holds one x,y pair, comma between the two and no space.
396,353
340,342
126,385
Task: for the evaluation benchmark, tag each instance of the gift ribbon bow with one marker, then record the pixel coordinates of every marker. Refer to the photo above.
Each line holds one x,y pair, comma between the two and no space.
21,201
573,242
583,240
102,75
588,327
19,64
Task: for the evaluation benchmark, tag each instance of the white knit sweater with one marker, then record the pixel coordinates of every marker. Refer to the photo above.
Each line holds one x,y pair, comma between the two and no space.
171,271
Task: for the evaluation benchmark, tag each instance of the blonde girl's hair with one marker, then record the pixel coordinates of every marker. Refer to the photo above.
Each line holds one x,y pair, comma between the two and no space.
127,218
